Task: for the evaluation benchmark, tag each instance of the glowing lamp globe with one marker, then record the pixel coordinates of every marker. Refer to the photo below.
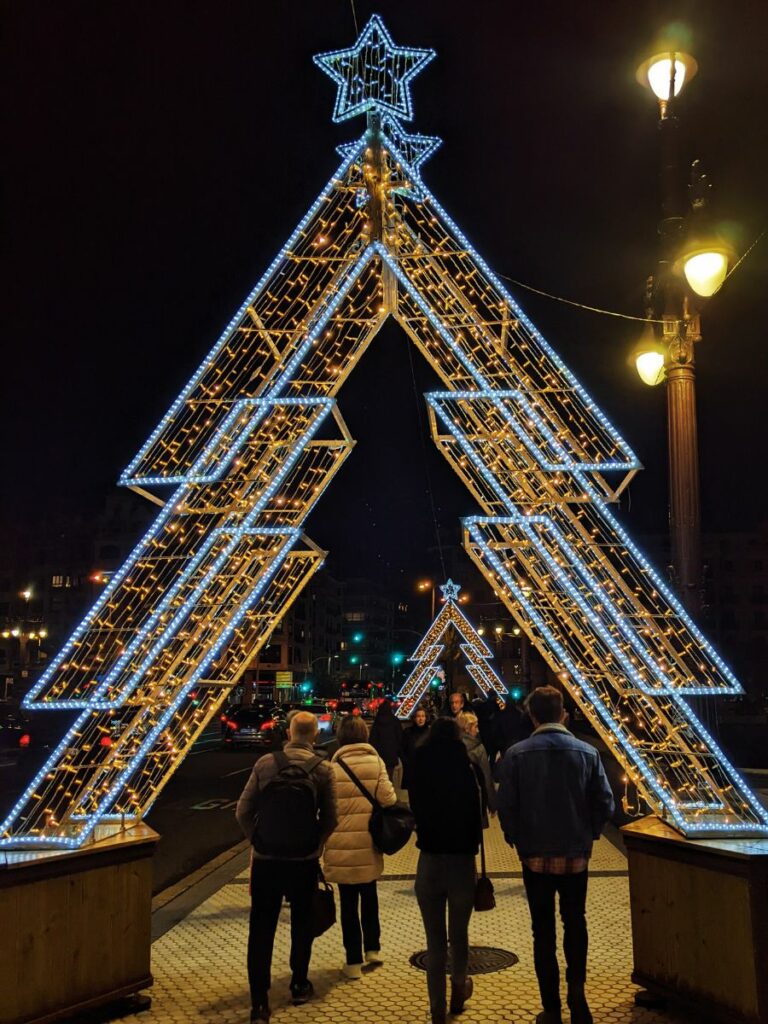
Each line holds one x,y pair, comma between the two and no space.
656,73
650,367
706,269
649,358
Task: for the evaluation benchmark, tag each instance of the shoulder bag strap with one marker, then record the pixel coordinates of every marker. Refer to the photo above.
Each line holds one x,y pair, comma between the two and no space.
482,855
357,782
281,760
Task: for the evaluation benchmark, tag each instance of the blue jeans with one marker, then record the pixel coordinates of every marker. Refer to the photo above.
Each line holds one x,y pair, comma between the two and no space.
445,880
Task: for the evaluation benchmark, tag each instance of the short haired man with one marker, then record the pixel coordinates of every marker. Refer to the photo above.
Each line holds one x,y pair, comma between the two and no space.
457,702
287,810
553,800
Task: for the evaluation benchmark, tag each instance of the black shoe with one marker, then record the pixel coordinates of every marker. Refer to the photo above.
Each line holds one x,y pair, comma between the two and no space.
580,1012
260,1013
301,992
549,1017
460,994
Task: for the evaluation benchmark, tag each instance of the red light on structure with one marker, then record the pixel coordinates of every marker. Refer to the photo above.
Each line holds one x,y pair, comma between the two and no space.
355,711
96,577
25,739
333,704
223,718
105,741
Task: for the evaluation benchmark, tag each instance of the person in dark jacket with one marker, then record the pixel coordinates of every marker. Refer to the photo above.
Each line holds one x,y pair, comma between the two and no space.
413,737
509,725
386,736
554,799
487,709
445,800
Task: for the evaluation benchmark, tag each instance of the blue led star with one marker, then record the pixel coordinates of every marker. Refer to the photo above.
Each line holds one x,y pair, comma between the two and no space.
413,150
450,590
374,74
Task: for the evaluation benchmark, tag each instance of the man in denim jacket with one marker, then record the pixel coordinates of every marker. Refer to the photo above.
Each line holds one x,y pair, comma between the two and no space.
553,801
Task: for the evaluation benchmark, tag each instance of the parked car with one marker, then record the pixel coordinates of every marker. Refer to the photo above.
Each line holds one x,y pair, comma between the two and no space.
253,725
15,736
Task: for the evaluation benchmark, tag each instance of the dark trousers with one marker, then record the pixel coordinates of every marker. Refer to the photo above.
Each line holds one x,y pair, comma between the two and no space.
271,880
360,928
541,890
445,880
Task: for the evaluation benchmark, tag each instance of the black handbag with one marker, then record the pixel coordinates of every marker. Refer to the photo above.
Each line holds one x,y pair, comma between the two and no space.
390,827
323,907
485,898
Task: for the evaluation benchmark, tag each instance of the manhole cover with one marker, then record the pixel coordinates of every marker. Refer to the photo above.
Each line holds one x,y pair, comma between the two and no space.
482,960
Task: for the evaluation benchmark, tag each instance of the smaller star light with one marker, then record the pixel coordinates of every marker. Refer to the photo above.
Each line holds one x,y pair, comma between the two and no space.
450,590
412,150
374,74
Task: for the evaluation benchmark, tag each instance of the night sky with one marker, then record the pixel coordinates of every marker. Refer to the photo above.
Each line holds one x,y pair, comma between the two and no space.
158,154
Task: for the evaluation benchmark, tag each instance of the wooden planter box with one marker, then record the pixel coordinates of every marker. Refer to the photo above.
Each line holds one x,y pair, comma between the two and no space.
700,921
76,927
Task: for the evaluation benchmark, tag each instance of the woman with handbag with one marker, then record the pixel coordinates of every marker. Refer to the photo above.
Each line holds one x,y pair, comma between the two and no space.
468,723
350,858
445,800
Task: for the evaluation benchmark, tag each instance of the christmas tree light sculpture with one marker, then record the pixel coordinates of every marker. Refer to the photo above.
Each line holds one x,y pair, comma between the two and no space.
431,646
244,449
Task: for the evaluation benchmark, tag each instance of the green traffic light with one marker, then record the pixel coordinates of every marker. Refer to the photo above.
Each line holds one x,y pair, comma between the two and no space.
354,659
357,637
397,658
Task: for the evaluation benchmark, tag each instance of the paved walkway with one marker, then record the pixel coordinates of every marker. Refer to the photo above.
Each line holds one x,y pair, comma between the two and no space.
199,964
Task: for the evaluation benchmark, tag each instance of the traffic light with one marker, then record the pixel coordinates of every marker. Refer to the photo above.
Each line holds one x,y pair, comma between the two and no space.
354,659
435,682
306,686
397,658
516,693
358,638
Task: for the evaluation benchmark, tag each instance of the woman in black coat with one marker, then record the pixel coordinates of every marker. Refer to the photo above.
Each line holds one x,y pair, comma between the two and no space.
413,737
445,800
386,736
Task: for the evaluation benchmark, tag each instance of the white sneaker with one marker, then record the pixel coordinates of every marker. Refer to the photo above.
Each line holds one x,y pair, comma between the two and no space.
353,972
373,956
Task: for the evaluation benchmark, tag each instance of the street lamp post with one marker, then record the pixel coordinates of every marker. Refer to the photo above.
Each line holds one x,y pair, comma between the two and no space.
673,359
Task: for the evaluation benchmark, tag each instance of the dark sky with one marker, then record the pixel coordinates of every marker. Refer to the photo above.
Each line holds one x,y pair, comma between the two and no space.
158,154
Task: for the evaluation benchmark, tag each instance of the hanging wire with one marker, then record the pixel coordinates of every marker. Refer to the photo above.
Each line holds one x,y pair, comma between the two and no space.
610,312
579,305
422,438
744,256
354,17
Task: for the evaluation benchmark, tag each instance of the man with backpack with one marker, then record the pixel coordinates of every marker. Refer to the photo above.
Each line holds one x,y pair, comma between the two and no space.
287,810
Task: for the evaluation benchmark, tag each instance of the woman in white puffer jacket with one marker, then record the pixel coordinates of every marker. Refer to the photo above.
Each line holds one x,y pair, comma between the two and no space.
350,859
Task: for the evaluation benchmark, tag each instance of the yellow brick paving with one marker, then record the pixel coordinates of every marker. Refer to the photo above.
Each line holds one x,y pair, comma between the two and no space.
199,966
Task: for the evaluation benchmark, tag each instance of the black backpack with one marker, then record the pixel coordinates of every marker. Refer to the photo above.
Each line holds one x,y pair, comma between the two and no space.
286,822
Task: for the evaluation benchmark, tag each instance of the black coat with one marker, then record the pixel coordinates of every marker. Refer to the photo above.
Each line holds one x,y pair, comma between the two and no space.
386,737
413,737
445,798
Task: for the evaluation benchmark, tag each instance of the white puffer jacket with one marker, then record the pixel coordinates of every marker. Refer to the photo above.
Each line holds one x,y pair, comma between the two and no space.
350,856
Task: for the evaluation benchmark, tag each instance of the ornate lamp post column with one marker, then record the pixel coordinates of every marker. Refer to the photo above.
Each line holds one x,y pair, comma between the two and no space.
705,264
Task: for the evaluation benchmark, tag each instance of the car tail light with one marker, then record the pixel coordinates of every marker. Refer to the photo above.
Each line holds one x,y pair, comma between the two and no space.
25,739
105,741
355,711
266,726
325,718
231,724
223,718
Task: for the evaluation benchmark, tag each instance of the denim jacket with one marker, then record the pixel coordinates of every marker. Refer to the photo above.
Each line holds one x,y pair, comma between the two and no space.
554,797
